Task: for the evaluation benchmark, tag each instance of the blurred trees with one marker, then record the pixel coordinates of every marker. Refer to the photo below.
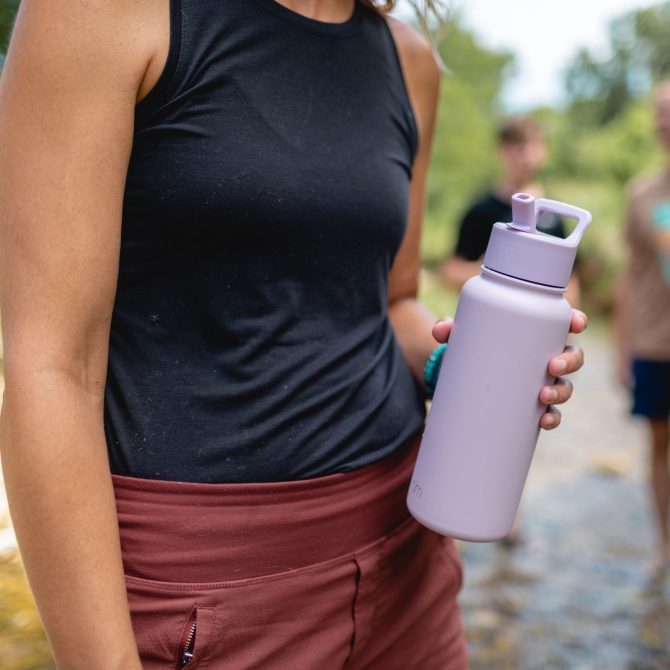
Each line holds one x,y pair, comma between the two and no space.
605,134
601,89
606,131
464,138
7,11
600,139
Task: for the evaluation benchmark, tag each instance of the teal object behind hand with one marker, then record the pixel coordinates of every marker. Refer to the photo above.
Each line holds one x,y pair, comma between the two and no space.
660,217
432,370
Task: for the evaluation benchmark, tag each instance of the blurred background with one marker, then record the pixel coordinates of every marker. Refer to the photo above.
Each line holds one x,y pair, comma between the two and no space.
585,71
577,591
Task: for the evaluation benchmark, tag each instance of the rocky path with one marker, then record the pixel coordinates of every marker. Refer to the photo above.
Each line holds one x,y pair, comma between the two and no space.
578,593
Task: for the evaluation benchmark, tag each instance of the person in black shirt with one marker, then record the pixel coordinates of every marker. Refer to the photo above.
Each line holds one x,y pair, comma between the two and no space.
522,150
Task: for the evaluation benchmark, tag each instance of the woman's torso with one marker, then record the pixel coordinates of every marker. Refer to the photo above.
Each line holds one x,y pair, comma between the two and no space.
267,195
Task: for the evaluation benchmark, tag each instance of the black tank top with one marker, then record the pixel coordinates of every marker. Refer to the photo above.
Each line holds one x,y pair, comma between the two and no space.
266,197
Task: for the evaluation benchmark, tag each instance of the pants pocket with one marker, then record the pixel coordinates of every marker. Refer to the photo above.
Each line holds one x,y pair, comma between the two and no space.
302,620
193,647
173,629
298,618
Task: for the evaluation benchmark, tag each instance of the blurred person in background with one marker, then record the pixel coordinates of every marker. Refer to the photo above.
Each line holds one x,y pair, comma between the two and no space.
521,152
642,318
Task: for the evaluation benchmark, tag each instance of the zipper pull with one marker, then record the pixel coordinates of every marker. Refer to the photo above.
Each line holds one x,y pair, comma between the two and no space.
186,658
187,641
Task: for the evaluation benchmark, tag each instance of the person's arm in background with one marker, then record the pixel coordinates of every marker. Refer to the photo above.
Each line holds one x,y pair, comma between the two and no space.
67,98
621,318
466,261
573,293
414,326
456,270
621,323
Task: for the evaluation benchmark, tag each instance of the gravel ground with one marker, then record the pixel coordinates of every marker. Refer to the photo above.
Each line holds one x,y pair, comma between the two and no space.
578,593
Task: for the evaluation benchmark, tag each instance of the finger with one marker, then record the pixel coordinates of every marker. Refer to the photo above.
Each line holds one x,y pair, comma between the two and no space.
559,393
579,321
569,361
550,419
442,328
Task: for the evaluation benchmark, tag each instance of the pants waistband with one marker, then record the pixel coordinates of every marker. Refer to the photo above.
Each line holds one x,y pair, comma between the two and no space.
192,532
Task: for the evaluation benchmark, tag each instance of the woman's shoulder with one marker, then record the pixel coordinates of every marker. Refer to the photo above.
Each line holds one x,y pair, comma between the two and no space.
420,68
414,49
83,37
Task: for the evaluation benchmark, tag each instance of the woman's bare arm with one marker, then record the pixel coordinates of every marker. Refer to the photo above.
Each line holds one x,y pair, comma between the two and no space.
412,321
67,97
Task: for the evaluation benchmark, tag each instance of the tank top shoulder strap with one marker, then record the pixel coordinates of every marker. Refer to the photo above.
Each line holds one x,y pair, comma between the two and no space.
398,82
203,32
162,88
197,29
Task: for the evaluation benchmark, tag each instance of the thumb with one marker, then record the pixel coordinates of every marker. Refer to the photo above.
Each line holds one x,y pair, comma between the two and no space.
442,329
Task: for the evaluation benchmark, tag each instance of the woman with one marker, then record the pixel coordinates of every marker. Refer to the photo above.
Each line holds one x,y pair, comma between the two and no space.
210,244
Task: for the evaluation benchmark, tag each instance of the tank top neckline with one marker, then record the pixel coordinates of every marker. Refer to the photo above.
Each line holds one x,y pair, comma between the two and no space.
326,28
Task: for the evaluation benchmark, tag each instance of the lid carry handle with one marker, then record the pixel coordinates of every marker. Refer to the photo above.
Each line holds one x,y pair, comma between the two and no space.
526,211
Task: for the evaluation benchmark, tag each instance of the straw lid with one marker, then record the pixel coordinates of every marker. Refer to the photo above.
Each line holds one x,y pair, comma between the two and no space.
519,250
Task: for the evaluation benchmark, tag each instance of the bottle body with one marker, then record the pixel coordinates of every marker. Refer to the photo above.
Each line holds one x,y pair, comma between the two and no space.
483,424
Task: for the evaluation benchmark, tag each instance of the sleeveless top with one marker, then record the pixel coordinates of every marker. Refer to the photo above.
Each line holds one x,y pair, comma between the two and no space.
266,198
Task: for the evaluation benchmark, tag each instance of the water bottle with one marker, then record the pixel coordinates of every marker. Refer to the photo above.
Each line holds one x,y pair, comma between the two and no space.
483,424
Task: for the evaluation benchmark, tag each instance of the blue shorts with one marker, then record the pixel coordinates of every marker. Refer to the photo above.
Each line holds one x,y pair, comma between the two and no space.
651,389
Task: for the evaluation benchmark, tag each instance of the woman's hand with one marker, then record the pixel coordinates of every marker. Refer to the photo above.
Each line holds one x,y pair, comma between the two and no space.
569,361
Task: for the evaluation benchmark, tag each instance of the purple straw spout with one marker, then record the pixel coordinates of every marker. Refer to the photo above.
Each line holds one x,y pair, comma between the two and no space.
523,213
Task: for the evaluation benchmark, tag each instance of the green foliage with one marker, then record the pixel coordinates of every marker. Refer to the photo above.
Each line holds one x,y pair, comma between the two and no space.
651,39
591,167
7,12
615,152
600,89
601,140
463,145
23,645
606,136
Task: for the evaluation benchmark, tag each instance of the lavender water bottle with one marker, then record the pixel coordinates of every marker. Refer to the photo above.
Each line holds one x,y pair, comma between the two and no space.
483,424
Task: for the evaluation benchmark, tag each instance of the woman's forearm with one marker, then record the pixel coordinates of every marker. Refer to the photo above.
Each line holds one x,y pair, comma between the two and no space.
62,505
412,323
455,271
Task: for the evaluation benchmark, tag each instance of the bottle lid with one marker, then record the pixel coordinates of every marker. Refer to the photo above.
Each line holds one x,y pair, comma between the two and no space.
519,250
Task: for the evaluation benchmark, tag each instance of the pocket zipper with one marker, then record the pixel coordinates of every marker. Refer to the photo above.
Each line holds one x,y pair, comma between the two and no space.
187,642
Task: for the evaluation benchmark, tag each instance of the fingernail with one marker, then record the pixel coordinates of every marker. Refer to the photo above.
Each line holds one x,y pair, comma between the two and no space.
550,420
552,395
561,365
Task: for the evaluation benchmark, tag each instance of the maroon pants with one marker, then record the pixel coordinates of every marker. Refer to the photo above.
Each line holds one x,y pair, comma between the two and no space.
316,574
